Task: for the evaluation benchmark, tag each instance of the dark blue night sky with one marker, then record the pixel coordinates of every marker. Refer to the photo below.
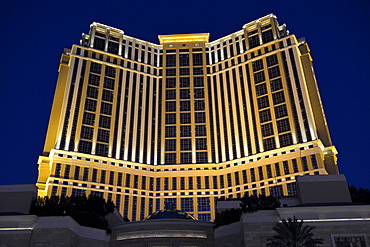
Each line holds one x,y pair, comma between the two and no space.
34,33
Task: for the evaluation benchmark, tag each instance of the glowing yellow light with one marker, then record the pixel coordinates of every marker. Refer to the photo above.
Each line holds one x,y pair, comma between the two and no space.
183,38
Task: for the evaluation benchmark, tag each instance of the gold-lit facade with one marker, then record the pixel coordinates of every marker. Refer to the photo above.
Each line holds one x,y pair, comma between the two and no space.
186,121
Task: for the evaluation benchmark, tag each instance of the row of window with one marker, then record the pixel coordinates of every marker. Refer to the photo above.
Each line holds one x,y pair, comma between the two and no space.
140,205
250,175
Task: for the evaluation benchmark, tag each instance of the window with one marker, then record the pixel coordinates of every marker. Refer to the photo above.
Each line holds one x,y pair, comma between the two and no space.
204,204
95,67
171,60
304,163
87,132
269,143
285,139
199,93
58,167
253,41
185,118
108,83
103,136
277,169
170,118
257,65
267,130
170,144
184,93
170,94
202,157
286,167
295,165
259,77
271,60
274,72
94,80
102,177
185,144
267,36
276,84
283,125
170,106
200,117
263,102
185,131
186,158
170,82
198,71
184,71
101,149
106,108
104,121
107,95
187,204
110,71
185,105
77,173
199,105
170,72
92,92
170,131
261,89
276,191
265,115
201,144
170,158
200,130
90,105
278,97
184,59
197,59
184,82
281,111
198,81
85,147
313,161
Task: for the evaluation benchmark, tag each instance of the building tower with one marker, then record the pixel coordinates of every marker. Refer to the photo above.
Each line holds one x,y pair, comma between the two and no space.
186,121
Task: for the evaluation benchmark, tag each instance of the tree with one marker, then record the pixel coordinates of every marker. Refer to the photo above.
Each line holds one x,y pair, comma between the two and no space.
292,233
360,195
88,212
227,217
253,203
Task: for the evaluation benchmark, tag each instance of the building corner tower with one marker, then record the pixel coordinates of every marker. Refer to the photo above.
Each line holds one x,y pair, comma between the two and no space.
185,122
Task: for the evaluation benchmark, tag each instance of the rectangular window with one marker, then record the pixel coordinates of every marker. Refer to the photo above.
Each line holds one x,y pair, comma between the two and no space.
66,171
89,118
102,177
184,59
197,59
204,204
314,161
215,186
171,60
286,167
77,173
277,169
187,205
190,183
304,163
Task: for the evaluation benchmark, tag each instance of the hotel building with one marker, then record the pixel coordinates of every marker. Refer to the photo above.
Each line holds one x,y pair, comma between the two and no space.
186,121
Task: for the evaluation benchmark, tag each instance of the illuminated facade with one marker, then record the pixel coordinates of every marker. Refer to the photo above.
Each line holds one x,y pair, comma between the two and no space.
186,121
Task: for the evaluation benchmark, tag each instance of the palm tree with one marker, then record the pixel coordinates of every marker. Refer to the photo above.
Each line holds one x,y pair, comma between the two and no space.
292,233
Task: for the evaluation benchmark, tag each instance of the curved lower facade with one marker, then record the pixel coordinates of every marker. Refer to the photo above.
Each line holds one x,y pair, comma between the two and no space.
186,121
